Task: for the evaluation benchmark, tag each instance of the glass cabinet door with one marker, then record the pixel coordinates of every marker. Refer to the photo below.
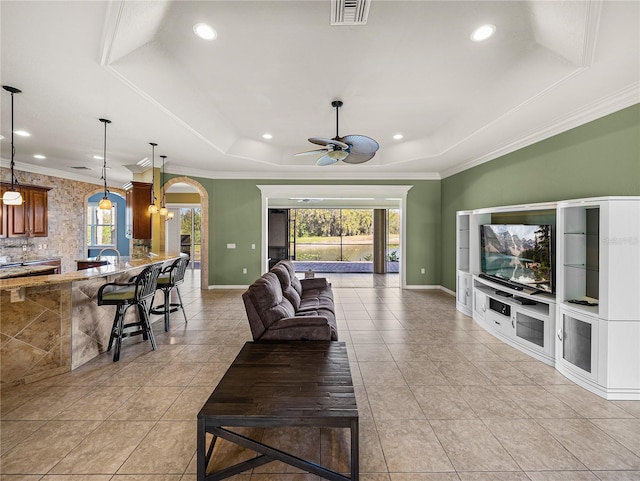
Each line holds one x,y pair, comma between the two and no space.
578,343
530,329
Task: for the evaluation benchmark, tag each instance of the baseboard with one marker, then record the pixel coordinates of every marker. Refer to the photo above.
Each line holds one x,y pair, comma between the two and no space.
425,287
228,286
415,287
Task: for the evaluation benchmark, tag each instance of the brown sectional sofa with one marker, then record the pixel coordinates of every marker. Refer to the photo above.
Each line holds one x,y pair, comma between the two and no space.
281,307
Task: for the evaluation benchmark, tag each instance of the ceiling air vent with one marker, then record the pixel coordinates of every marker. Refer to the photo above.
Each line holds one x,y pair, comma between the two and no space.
81,167
349,12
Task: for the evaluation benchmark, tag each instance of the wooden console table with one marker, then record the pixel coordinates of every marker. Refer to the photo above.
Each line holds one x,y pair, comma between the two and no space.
280,384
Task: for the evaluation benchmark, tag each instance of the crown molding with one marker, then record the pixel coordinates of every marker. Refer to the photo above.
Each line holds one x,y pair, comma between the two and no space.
38,169
310,175
625,97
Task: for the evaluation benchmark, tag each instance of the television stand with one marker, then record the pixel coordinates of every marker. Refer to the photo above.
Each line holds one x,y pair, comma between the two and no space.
526,324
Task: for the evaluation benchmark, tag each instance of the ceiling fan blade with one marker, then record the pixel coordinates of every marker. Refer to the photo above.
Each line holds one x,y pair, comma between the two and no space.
326,160
361,144
322,141
356,158
313,152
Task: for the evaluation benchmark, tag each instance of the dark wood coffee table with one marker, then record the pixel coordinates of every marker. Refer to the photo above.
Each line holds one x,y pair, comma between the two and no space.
280,384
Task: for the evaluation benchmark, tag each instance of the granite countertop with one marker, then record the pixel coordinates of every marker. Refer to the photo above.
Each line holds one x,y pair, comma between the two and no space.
23,270
125,264
8,261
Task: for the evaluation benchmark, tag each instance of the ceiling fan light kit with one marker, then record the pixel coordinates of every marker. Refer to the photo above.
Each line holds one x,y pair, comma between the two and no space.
352,149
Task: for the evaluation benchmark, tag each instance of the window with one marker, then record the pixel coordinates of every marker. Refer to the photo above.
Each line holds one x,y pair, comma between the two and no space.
101,226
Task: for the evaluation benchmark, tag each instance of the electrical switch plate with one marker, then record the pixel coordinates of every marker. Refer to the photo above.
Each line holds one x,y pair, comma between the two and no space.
253,246
231,246
244,270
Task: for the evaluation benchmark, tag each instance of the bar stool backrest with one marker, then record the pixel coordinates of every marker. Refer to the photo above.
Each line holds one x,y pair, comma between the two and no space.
147,281
177,270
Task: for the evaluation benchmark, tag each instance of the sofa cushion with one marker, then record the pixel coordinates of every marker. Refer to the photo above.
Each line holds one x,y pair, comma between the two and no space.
270,304
295,282
316,303
288,290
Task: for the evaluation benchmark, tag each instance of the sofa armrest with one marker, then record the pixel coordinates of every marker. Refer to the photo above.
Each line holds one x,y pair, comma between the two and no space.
314,283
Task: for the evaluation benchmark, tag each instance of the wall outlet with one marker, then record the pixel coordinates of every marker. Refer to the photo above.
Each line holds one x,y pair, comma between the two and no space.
253,246
231,246
423,271
244,270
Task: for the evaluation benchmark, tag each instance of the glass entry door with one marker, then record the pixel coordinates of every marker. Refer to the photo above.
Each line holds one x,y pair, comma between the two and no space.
190,243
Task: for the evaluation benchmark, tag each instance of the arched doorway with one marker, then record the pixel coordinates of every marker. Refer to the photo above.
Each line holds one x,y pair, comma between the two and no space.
204,225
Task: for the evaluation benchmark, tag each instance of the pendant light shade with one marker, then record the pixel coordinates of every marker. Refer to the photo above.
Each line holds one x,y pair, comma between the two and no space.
12,196
153,208
105,203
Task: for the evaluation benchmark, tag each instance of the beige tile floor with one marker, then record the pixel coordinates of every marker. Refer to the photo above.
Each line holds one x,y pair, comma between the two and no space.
439,400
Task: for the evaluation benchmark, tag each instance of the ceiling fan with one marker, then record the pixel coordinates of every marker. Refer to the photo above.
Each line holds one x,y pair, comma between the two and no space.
352,149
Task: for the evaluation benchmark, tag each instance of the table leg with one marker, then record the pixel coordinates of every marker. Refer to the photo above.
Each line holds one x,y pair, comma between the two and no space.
355,450
201,450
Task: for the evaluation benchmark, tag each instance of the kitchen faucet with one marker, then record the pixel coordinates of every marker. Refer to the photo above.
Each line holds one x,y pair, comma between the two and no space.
109,249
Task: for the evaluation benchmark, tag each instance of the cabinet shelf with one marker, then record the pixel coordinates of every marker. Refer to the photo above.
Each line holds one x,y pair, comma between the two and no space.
586,267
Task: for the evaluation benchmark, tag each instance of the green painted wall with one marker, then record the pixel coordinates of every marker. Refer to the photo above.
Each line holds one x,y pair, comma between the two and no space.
235,217
596,159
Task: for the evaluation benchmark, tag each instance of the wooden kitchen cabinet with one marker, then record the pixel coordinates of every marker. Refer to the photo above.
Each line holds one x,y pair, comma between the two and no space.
29,219
138,218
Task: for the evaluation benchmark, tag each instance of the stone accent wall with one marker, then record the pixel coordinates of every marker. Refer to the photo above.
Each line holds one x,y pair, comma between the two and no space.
66,205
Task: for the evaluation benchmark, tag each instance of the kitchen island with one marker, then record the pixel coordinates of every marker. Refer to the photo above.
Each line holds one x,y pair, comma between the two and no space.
51,324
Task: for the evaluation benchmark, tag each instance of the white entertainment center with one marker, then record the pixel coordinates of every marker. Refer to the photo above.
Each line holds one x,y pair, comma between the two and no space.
590,329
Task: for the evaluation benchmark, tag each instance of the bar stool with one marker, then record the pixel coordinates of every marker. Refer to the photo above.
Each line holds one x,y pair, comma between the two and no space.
138,292
170,278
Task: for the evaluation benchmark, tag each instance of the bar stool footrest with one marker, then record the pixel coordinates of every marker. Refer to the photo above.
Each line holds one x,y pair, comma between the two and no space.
159,309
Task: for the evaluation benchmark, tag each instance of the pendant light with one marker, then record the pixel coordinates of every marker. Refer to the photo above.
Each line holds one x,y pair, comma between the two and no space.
12,196
153,208
105,203
163,209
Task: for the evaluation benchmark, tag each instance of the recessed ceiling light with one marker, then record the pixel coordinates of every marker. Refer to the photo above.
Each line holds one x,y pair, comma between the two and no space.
483,33
204,31
22,133
267,136
98,157
39,156
398,136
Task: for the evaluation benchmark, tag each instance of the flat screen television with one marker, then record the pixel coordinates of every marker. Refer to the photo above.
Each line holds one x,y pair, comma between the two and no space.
519,254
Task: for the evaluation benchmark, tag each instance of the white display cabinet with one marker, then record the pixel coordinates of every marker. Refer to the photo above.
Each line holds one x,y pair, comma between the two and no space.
598,273
463,275
590,329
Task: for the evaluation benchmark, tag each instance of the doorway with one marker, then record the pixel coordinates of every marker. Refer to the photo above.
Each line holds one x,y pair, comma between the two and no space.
187,232
390,198
183,232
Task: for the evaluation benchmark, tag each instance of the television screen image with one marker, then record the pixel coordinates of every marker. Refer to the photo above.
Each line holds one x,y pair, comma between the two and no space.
520,254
